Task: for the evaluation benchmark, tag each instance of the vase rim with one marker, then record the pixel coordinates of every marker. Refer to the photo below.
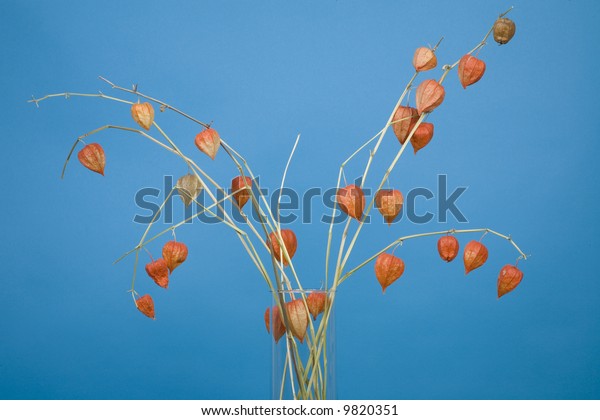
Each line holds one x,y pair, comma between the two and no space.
305,291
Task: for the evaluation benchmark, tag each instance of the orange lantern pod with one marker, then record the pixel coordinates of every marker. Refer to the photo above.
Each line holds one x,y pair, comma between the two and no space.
174,254
143,114
297,317
208,141
404,120
430,94
509,278
470,70
278,327
352,201
316,303
243,193
424,59
389,203
448,247
145,305
475,256
92,157
159,272
422,136
289,241
388,269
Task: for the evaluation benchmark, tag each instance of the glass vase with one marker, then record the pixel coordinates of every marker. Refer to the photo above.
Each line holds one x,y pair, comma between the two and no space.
303,366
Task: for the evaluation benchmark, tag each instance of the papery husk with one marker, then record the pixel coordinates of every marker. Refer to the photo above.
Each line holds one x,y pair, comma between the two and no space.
504,30
174,253
290,242
388,269
429,95
448,247
424,59
404,120
159,272
475,255
470,70
297,317
508,279
145,305
389,203
352,201
189,187
208,141
422,136
92,157
244,192
316,301
143,114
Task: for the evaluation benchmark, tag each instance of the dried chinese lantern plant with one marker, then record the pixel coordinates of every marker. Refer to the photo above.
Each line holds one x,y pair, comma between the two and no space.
301,318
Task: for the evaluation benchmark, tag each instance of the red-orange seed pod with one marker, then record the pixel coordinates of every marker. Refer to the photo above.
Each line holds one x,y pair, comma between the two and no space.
470,70
159,272
297,317
448,247
509,278
475,256
174,254
422,136
352,201
289,241
316,303
278,327
143,114
208,141
388,269
430,94
243,193
424,59
404,120
92,157
145,305
389,203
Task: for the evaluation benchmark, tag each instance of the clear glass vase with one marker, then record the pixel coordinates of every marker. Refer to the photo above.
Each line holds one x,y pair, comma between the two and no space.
303,365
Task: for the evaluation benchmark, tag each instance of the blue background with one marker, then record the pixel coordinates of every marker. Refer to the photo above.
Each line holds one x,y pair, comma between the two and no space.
524,140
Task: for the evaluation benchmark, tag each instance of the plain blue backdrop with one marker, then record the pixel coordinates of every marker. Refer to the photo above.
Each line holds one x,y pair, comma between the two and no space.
524,140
